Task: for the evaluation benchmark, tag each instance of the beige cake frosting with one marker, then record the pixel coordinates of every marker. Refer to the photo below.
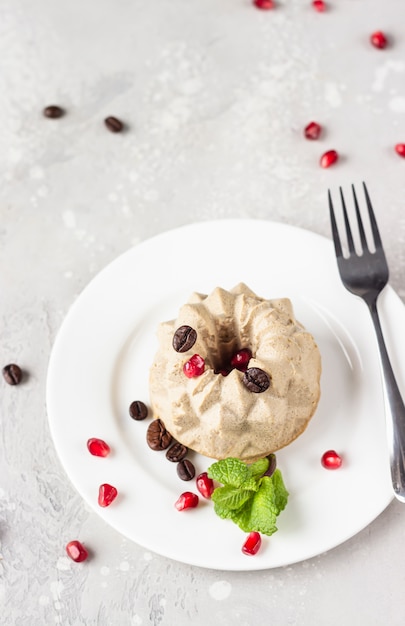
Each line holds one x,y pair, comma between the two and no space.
216,415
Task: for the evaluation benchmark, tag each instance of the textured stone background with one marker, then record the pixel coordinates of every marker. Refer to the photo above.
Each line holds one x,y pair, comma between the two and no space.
215,94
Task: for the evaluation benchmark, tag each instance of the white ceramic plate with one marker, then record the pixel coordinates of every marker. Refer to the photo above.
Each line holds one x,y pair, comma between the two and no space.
100,364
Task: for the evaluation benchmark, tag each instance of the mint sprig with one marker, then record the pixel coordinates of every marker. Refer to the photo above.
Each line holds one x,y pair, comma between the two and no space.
250,499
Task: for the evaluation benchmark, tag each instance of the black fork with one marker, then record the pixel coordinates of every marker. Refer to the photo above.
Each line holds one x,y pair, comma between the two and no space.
366,275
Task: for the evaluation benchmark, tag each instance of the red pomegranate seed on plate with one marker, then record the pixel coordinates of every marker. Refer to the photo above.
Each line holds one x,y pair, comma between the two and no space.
379,40
329,158
265,5
205,485
400,149
186,500
241,359
98,447
331,459
312,130
106,494
194,366
76,551
319,5
252,543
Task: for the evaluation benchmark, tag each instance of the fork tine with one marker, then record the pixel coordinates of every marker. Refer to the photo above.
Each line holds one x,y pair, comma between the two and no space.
350,241
360,221
335,232
373,222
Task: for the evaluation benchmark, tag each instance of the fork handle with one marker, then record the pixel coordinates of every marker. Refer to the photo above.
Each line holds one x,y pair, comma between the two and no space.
394,411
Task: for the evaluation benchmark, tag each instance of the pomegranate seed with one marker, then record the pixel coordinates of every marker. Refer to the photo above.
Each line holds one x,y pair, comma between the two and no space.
264,4
98,447
106,494
331,460
252,543
187,500
400,149
312,130
241,359
319,5
76,551
194,367
329,158
379,40
205,485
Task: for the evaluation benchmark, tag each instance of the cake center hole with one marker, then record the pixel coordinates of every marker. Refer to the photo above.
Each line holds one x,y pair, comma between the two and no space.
232,357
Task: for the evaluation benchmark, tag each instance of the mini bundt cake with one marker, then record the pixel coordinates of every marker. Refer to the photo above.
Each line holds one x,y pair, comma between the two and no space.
235,375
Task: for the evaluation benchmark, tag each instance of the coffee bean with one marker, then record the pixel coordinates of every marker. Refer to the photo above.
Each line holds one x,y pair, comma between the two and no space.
53,111
184,338
177,452
272,465
185,470
157,437
12,374
113,124
256,380
138,410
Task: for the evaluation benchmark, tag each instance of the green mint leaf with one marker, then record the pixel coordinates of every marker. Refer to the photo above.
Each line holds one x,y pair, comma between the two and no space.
231,498
229,472
247,497
280,492
252,484
258,468
259,513
223,512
